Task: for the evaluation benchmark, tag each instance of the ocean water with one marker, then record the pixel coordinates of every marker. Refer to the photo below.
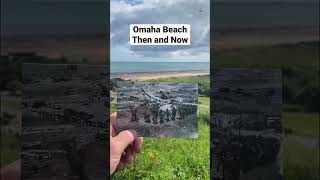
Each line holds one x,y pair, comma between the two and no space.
134,67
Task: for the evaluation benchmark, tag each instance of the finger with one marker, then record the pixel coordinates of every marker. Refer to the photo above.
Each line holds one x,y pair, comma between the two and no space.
137,145
123,157
112,131
113,119
120,165
12,171
122,160
124,139
128,157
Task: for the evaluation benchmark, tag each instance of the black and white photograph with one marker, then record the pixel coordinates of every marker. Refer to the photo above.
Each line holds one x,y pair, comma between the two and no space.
65,112
155,109
246,128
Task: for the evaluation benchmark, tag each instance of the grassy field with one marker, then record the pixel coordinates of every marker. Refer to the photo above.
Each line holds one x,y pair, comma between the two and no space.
204,100
10,149
301,55
171,158
192,79
300,163
302,124
203,82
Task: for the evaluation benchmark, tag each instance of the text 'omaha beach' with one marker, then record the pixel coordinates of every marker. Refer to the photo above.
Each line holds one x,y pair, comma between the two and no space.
164,29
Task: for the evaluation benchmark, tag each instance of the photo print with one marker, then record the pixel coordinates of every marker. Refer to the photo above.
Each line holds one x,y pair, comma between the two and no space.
65,122
158,109
246,128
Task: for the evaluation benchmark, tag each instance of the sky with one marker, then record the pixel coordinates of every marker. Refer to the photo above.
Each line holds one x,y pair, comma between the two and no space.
193,12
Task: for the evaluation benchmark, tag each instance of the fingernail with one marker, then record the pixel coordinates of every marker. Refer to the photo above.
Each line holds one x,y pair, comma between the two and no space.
134,132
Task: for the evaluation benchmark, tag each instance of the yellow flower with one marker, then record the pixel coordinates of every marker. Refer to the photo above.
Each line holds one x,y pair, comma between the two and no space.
152,154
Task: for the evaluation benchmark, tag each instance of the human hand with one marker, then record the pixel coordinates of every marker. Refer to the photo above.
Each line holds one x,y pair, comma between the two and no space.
12,171
122,146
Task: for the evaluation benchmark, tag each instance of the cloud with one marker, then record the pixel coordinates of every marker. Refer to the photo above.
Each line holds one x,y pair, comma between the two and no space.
193,12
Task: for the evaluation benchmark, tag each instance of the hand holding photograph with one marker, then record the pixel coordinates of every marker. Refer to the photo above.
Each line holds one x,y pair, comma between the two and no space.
158,109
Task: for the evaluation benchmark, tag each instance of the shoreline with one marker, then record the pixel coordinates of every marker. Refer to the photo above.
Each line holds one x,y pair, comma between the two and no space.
157,75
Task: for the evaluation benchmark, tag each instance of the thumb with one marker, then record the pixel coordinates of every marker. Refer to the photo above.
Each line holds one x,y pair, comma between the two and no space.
124,138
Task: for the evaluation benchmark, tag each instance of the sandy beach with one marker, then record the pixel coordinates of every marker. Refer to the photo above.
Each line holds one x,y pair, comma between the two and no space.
157,75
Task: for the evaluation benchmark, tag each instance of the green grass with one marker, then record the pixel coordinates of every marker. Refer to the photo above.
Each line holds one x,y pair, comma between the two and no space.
191,79
204,112
300,163
10,149
171,158
301,55
204,100
113,107
203,82
302,124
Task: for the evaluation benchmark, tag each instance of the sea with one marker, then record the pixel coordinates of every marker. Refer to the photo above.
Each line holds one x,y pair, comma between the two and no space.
144,67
